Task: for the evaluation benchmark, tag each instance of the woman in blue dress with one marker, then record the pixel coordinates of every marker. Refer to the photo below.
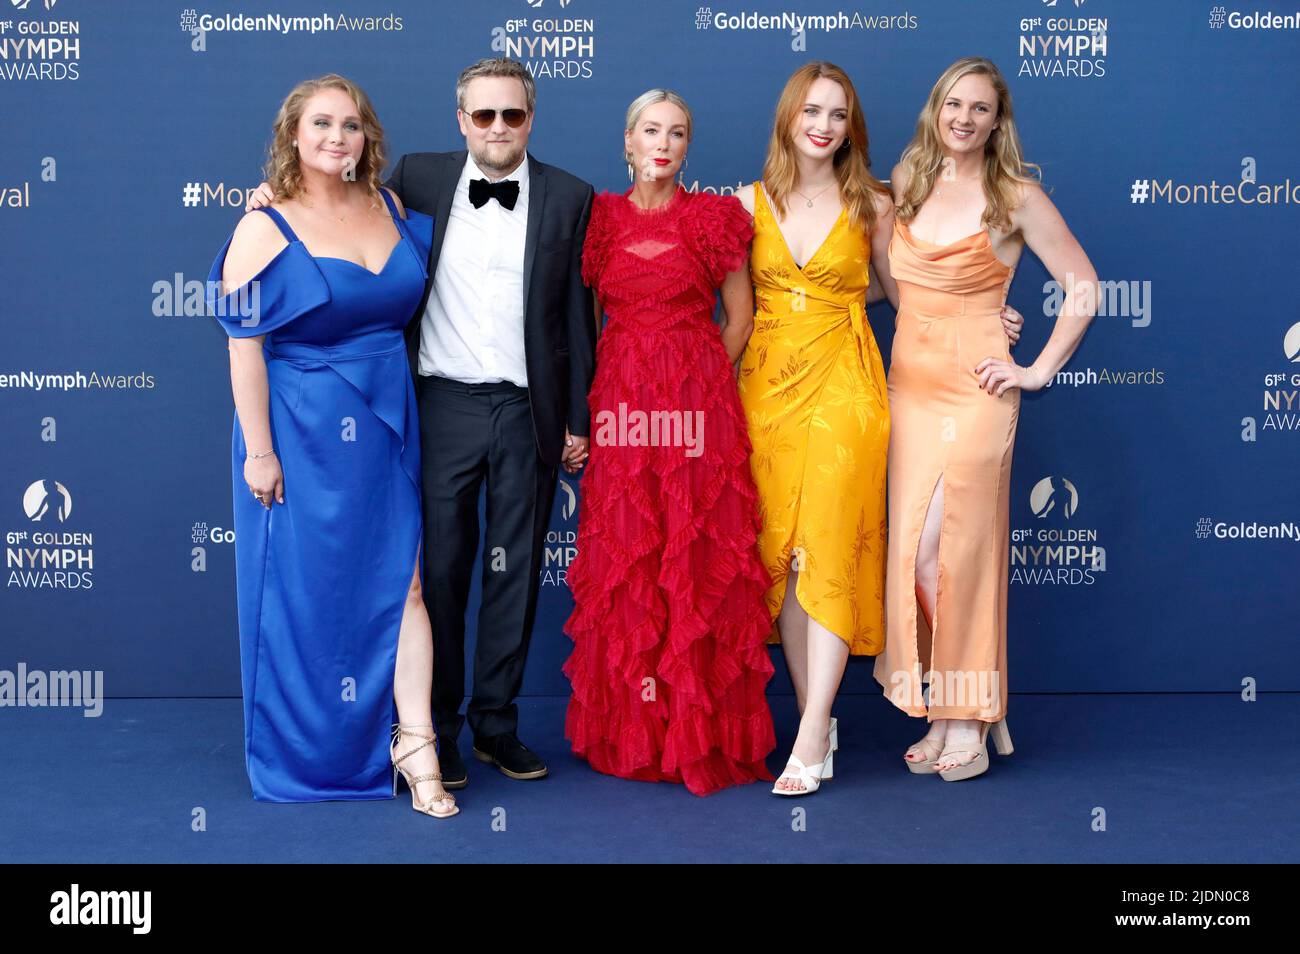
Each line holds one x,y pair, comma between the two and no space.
333,631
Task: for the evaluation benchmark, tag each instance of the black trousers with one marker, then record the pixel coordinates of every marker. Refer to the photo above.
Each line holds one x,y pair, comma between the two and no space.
471,433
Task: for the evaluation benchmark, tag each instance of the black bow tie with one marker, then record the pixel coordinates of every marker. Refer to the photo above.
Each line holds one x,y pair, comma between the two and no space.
505,191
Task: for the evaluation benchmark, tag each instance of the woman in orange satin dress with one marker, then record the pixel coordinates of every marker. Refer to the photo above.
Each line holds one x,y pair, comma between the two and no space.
965,210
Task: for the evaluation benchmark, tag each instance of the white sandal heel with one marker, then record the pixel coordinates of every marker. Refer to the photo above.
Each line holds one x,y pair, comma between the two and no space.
833,740
812,776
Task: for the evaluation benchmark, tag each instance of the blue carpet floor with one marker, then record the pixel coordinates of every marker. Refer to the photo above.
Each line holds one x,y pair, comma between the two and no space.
1181,778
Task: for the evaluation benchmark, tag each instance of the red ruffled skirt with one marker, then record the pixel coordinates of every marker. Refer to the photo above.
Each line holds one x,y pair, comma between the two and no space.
670,665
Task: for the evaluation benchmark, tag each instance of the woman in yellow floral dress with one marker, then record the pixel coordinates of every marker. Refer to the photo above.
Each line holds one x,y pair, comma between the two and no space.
813,387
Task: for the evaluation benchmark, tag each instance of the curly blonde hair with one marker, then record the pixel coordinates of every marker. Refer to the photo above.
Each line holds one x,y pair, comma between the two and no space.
1005,169
282,169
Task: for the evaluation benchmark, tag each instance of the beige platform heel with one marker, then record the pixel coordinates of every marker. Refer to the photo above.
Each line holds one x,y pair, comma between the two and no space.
980,764
930,749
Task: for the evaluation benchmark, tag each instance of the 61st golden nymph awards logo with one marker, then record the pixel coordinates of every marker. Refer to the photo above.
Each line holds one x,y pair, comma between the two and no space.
47,553
38,47
1281,395
1054,549
549,46
1056,44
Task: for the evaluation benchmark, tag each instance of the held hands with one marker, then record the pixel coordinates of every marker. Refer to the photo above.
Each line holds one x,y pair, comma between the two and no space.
1012,322
259,198
575,452
265,479
997,376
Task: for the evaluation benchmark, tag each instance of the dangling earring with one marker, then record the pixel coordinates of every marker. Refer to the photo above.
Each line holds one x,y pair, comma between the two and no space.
681,175
847,142
295,144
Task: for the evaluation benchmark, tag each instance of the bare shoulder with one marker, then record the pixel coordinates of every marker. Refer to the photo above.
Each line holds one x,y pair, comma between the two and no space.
1032,193
884,204
746,196
401,209
1034,206
255,242
899,177
256,232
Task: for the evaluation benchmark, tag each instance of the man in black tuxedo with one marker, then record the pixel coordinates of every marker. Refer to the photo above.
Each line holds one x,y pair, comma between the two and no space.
502,351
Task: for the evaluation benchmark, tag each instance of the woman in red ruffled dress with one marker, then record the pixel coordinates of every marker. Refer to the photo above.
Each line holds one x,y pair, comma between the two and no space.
669,664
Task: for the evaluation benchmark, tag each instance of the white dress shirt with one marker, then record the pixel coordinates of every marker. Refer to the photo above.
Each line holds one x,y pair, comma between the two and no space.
472,329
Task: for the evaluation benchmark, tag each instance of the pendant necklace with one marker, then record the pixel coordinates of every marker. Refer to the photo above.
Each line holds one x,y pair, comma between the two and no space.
810,201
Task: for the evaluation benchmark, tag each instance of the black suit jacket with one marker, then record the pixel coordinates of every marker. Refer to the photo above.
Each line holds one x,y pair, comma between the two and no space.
559,318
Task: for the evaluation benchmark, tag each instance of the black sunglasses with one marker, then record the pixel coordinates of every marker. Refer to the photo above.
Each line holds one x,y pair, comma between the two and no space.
483,118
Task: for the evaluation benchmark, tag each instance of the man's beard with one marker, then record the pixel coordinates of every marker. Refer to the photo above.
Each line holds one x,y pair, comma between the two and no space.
504,166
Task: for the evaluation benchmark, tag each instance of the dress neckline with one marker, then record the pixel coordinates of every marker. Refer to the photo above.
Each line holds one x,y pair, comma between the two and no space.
786,245
292,237
964,238
347,261
659,209
930,248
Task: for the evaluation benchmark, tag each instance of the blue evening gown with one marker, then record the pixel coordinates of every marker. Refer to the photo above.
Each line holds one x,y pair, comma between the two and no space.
322,578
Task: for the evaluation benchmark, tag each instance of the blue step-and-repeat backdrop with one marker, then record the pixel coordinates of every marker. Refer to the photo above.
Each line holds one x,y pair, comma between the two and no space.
1164,129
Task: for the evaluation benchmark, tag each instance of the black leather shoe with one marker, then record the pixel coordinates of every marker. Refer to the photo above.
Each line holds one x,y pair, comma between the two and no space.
452,765
511,756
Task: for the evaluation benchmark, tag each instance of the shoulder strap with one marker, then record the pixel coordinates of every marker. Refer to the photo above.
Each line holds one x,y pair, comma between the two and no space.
392,206
278,219
760,195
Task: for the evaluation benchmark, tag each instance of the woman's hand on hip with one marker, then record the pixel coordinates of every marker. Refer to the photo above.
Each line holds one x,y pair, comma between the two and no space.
997,376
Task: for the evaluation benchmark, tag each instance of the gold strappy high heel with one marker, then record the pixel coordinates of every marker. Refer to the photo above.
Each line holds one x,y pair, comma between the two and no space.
439,806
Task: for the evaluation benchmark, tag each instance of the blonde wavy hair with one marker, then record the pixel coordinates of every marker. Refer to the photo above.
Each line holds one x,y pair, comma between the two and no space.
852,161
282,169
1005,169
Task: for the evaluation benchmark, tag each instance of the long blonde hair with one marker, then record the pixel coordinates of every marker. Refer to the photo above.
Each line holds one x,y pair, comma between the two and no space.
282,169
1005,169
852,161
